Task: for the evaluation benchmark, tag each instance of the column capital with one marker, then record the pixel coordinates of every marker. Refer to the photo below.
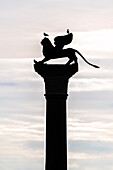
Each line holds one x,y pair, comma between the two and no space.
56,77
46,70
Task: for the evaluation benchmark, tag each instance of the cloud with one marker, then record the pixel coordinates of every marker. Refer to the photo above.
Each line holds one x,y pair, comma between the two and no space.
90,155
34,145
94,162
90,147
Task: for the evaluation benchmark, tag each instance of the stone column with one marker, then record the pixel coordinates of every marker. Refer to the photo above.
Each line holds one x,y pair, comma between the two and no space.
56,82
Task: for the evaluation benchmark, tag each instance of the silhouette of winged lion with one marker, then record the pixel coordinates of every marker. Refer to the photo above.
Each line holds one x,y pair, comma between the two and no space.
57,51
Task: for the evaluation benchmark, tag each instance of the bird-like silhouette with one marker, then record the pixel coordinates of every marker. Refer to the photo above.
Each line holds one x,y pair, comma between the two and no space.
68,31
45,34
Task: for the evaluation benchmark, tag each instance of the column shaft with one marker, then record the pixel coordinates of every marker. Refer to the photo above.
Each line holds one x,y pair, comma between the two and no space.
56,133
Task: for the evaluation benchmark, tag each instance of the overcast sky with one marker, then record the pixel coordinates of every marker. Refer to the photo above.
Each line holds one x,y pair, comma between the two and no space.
90,101
23,22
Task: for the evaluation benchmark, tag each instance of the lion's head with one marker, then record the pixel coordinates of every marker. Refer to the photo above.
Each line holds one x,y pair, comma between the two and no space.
46,42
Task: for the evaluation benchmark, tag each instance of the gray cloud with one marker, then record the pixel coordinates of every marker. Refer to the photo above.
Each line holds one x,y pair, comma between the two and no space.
91,147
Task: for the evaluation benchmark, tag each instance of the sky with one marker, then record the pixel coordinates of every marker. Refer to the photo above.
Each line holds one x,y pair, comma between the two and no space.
90,100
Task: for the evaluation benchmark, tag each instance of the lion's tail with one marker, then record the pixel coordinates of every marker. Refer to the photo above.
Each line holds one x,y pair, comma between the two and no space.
86,60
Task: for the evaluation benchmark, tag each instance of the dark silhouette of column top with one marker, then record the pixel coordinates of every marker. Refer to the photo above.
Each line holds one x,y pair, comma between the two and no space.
56,69
56,76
